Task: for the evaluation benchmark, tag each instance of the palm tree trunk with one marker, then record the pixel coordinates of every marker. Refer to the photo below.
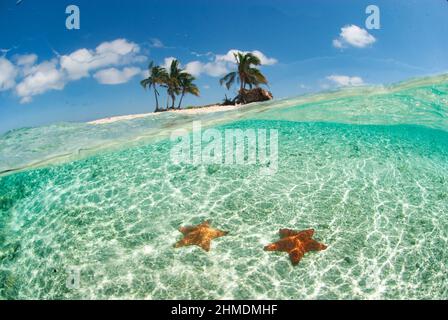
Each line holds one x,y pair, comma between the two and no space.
181,98
173,100
167,100
157,100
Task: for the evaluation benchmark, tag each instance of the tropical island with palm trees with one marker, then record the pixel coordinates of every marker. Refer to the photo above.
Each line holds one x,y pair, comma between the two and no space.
178,83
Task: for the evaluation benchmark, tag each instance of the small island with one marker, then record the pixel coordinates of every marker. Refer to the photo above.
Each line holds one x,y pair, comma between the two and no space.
178,83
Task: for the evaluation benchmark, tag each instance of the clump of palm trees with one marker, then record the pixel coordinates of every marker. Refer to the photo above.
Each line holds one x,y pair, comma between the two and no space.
176,81
247,75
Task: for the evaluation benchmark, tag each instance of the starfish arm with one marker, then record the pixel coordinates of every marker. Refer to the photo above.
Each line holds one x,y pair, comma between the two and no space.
284,233
306,234
296,256
313,245
219,233
205,245
181,243
186,230
271,247
282,245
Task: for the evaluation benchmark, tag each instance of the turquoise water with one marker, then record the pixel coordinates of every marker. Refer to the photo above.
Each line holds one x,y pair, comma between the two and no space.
367,168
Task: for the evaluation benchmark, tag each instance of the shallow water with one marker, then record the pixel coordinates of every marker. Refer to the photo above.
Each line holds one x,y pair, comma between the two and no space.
368,169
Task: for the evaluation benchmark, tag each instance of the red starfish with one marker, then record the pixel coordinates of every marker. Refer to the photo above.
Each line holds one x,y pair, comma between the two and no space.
200,235
296,243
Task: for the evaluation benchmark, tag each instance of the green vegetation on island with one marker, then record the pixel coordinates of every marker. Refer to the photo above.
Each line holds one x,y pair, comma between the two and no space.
179,82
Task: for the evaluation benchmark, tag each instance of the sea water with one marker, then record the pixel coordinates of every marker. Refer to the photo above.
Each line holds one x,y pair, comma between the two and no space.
367,168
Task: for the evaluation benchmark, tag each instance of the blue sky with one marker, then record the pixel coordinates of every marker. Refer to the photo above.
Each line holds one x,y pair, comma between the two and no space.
51,74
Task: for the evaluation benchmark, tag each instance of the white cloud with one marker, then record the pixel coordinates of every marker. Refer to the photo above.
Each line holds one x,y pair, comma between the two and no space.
26,59
54,74
110,63
338,44
118,52
221,64
145,73
25,100
8,74
25,63
79,63
156,43
41,78
346,81
207,54
213,69
194,68
167,62
352,35
230,57
119,46
265,61
5,51
113,76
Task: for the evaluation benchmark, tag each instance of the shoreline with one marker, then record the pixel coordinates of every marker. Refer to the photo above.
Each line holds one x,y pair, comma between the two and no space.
190,111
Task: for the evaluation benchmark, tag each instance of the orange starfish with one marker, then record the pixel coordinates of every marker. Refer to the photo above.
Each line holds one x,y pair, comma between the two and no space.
200,235
296,243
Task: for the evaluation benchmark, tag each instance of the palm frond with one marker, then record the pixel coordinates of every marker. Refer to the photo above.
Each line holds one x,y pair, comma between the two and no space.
229,79
252,59
193,89
256,77
146,83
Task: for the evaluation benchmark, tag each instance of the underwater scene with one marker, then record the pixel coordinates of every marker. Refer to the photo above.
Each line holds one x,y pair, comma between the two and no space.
366,168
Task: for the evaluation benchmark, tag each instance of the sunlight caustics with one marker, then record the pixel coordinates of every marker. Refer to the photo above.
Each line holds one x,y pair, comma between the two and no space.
367,168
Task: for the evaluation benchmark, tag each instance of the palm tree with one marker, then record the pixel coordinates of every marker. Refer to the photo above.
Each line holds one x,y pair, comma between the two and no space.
157,76
187,86
172,82
246,75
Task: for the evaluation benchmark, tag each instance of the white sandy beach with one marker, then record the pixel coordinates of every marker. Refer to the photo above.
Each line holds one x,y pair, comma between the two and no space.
192,111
